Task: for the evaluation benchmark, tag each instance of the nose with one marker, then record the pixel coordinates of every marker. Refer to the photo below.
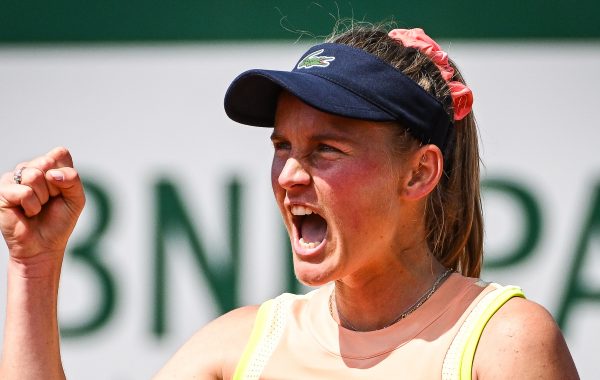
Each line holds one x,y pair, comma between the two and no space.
293,174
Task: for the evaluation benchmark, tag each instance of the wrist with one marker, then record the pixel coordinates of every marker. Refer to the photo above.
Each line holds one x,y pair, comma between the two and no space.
42,266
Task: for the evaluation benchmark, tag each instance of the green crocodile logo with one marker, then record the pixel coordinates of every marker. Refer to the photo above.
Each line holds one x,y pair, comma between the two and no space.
314,60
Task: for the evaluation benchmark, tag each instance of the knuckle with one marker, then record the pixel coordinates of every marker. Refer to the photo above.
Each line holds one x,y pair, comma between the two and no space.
62,152
32,175
38,175
46,162
27,193
34,208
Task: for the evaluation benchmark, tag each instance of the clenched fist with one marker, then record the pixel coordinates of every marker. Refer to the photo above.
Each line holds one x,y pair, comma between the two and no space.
40,202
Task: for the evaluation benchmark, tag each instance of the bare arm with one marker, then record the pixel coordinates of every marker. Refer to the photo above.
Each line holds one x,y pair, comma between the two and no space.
36,219
522,341
214,351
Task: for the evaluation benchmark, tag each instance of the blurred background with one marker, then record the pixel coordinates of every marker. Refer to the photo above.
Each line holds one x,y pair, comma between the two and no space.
180,224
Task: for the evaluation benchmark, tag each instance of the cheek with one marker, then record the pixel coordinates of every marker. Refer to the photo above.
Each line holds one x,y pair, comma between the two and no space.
363,179
276,168
364,195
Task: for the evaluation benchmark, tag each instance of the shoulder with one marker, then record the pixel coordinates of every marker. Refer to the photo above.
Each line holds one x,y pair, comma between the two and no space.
523,341
213,351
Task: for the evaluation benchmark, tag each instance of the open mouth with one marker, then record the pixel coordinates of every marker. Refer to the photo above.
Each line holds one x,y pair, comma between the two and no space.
311,227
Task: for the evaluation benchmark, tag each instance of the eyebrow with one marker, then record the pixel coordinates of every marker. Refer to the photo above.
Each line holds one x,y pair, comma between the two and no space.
317,137
276,136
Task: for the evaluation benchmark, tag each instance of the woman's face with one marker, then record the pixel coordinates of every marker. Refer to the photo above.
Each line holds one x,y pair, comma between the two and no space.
338,185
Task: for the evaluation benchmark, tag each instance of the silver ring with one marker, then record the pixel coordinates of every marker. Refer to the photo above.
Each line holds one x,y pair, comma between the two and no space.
18,176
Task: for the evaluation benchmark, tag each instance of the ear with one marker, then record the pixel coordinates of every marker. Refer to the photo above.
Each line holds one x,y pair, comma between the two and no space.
426,169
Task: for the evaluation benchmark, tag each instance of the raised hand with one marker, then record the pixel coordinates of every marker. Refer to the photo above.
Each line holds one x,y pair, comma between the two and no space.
40,202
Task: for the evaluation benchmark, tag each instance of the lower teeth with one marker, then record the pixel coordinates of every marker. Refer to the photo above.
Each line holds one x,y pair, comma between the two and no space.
308,245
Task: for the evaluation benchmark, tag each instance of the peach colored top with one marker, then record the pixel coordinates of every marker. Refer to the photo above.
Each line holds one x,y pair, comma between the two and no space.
305,342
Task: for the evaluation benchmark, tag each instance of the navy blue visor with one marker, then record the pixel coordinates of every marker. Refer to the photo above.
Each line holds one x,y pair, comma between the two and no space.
345,81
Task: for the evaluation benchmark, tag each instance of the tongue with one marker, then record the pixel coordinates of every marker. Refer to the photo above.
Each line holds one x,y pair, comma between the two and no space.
313,228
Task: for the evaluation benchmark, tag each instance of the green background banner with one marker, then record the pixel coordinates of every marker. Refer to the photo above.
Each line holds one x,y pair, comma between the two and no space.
41,21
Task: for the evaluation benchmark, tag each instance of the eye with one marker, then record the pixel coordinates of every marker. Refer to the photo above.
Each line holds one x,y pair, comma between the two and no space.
325,148
281,145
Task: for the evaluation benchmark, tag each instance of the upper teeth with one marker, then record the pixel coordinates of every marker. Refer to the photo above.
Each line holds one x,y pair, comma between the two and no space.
301,210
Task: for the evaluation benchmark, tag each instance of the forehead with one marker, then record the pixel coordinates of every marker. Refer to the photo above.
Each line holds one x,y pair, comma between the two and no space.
293,116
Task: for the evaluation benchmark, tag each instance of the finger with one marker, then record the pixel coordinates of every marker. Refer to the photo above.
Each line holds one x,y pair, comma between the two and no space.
36,179
57,157
20,196
67,181
61,156
7,178
43,164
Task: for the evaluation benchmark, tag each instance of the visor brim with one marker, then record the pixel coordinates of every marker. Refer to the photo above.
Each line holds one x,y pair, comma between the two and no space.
251,98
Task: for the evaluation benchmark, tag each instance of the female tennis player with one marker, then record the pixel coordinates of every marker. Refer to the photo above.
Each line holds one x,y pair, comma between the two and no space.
376,173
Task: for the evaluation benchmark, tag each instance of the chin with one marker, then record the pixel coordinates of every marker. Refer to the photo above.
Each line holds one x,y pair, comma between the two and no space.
312,275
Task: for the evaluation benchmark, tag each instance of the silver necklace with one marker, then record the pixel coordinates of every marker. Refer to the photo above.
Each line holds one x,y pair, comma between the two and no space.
344,322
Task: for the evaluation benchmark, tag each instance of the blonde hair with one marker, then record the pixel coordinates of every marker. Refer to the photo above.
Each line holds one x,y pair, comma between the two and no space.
453,215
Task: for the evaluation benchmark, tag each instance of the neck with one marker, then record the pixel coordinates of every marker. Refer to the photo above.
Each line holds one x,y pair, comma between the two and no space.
372,301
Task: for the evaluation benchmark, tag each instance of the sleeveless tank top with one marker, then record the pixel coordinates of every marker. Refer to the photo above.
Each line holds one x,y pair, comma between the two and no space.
295,337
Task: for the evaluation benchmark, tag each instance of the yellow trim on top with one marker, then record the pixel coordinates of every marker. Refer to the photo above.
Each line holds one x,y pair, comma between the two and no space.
257,332
468,353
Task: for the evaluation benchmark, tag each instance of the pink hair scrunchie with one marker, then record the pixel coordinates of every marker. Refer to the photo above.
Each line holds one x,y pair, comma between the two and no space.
462,96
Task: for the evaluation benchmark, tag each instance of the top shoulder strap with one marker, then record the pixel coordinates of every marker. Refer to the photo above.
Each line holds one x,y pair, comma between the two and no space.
269,326
458,363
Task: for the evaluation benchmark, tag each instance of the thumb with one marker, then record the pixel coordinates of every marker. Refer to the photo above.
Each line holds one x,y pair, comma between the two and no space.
66,180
